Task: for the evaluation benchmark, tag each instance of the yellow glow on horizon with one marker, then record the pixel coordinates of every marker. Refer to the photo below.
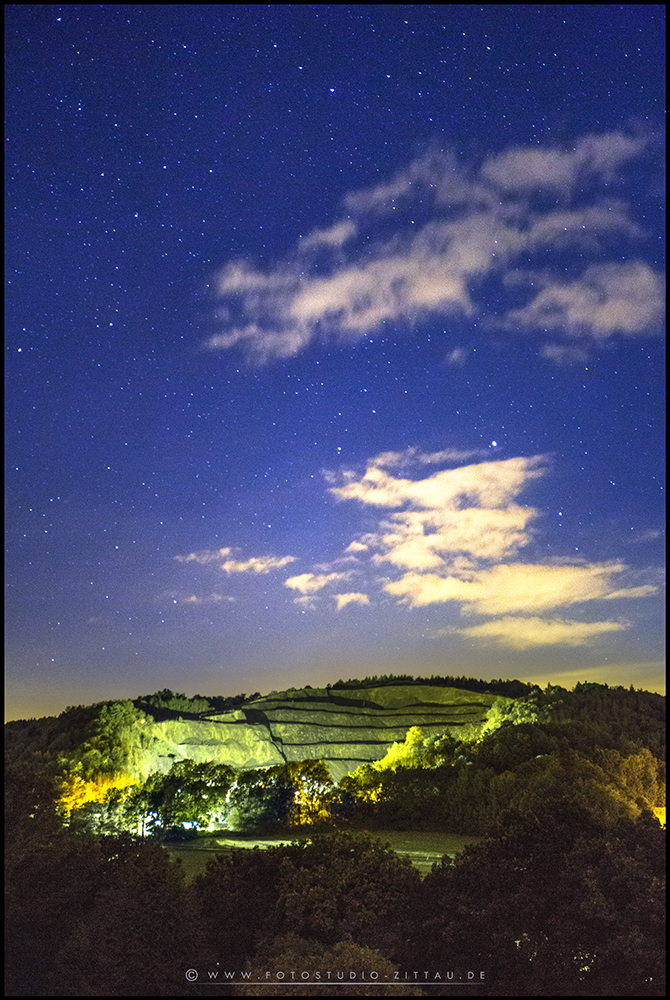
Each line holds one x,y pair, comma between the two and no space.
649,676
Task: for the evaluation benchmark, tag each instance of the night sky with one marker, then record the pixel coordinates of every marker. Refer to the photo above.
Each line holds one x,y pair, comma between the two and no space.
333,346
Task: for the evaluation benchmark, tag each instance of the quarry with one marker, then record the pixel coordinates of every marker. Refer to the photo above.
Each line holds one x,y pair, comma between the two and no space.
344,728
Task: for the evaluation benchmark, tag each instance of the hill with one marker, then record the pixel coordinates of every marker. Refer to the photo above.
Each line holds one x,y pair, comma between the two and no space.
342,729
344,726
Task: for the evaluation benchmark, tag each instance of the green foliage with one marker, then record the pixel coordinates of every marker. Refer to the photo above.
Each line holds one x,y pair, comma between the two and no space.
332,888
533,755
368,891
95,917
407,754
166,704
289,951
296,793
190,793
566,897
512,689
570,908
234,901
106,746
169,703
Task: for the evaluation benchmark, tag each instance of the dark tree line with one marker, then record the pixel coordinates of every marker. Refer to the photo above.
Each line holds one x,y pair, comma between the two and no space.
508,688
565,904
565,896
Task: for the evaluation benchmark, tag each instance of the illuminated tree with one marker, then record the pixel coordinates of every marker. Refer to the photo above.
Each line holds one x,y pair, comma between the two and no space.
311,786
77,791
298,792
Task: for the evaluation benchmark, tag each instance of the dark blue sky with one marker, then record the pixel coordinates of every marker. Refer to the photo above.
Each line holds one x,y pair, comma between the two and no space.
333,346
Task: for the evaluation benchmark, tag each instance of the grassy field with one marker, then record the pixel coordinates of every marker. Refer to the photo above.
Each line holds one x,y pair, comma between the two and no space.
423,849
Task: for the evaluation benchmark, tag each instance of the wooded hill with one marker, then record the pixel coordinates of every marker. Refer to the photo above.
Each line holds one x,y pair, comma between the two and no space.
387,752
565,897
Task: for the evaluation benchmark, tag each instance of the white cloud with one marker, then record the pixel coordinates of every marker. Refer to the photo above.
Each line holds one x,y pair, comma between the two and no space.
593,156
413,456
452,536
606,299
420,540
213,598
204,557
312,583
515,587
335,236
449,516
220,557
305,602
257,564
359,298
645,590
458,356
445,228
526,633
455,536
356,547
564,354
261,344
487,484
352,598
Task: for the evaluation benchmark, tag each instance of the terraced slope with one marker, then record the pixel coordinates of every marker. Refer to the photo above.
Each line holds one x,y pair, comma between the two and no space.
343,727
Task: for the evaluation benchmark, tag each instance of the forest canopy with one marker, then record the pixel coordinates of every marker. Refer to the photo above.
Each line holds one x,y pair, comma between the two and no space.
565,788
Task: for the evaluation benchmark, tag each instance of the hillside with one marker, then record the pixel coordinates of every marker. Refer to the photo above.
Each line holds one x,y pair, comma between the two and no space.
562,790
344,729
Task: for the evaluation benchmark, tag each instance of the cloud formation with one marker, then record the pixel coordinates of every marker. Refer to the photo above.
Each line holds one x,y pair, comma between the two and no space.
220,558
455,536
451,536
427,242
449,517
516,587
606,299
192,600
352,598
526,633
312,583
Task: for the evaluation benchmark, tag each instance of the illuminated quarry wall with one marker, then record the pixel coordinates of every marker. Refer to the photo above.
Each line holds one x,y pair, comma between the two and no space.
343,727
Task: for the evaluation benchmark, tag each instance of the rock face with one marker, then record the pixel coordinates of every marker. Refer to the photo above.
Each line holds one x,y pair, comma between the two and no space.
343,727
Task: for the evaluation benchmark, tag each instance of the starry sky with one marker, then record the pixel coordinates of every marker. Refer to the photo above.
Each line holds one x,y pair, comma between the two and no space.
333,341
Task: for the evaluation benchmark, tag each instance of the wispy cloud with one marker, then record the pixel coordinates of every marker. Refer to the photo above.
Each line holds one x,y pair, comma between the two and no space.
562,170
455,536
312,583
193,599
335,236
221,559
469,511
525,633
516,587
353,598
451,536
605,299
414,456
428,241
457,356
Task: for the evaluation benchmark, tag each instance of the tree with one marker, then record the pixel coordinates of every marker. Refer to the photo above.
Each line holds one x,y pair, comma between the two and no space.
569,909
298,793
133,938
338,885
290,958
